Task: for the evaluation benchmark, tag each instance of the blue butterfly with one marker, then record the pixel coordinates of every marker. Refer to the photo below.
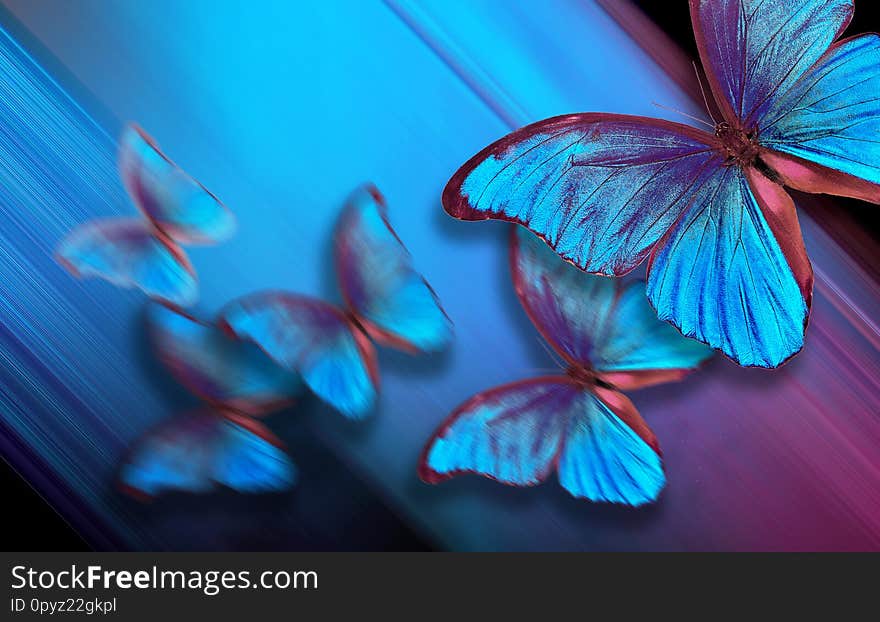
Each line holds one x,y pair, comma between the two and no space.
223,444
146,253
727,263
385,300
578,422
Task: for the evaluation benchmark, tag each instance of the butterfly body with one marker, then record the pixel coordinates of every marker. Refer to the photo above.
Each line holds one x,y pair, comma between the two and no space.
331,347
586,377
707,209
738,146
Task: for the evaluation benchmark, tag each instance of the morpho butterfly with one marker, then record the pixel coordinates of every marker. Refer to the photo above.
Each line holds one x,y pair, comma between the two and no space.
726,261
222,444
577,423
385,299
145,252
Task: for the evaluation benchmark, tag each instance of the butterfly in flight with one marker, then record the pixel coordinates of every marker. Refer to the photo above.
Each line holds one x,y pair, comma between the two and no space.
386,300
726,260
145,252
577,422
222,444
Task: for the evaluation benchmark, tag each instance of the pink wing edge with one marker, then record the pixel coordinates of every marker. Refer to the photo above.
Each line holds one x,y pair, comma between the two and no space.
806,176
430,476
617,402
456,204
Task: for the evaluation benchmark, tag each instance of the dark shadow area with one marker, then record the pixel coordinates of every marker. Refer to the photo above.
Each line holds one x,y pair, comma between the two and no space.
172,394
329,508
30,524
466,489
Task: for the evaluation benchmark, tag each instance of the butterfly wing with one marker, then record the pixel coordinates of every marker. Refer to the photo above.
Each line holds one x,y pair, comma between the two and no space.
610,453
636,340
316,340
130,253
393,302
518,433
639,350
733,273
225,372
601,189
596,321
198,452
753,51
176,203
822,134
813,106
512,433
570,309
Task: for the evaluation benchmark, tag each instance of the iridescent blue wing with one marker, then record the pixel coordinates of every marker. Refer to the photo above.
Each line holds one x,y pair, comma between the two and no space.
512,433
314,339
595,321
252,459
754,51
130,253
601,189
392,301
825,130
636,341
733,272
813,107
196,453
176,203
228,373
519,433
610,454
572,310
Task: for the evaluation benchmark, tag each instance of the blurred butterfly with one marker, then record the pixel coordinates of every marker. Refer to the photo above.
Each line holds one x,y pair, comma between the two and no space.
145,252
727,263
223,444
577,423
385,300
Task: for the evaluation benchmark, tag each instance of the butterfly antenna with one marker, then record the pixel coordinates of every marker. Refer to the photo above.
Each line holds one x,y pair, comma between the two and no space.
689,116
703,93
